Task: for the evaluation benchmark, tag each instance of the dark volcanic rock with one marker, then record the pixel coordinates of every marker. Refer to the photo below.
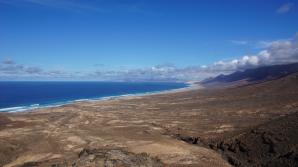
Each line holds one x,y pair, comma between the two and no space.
272,144
102,158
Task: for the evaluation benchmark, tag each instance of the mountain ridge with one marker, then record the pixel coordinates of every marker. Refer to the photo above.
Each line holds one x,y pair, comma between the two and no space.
251,76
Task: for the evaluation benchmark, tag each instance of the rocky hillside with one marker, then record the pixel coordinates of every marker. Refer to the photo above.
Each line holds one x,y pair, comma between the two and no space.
250,76
271,144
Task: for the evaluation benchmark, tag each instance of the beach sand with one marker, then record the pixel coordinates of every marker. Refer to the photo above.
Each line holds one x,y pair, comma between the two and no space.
172,128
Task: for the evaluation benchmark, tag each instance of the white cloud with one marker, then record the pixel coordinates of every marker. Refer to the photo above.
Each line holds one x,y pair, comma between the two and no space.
285,8
11,69
263,44
275,52
8,61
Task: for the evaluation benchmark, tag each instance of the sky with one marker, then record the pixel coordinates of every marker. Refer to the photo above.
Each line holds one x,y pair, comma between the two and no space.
143,40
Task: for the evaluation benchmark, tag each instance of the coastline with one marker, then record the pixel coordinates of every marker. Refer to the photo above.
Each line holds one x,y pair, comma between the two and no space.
126,124
34,107
190,86
179,127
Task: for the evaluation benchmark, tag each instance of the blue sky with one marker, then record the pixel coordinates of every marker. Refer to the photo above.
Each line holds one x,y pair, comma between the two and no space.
118,35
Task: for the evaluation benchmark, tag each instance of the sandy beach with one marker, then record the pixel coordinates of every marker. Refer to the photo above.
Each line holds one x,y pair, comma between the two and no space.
172,129
148,83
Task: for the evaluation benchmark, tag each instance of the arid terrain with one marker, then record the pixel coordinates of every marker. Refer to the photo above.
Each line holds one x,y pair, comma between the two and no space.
253,125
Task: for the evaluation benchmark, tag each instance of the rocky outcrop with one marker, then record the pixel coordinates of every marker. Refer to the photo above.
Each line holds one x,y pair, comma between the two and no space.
104,158
272,144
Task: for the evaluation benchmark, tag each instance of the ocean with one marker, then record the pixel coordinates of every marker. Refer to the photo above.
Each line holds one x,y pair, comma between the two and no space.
16,96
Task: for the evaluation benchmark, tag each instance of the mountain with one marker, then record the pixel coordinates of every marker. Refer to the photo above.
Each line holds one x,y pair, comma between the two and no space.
250,76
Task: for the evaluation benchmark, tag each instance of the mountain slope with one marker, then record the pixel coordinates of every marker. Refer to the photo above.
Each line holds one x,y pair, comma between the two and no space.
271,144
252,75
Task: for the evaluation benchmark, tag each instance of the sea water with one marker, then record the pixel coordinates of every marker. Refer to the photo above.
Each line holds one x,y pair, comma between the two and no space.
21,96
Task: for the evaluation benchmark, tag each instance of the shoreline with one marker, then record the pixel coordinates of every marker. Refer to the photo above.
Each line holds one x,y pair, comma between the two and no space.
34,107
180,127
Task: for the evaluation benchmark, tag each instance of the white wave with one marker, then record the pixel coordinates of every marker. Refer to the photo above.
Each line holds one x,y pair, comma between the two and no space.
81,100
12,109
38,106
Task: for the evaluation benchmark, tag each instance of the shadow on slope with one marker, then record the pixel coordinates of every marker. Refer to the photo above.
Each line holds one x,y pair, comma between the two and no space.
252,75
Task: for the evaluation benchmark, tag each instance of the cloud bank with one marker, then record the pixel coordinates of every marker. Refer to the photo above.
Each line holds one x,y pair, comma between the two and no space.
274,52
277,52
10,70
